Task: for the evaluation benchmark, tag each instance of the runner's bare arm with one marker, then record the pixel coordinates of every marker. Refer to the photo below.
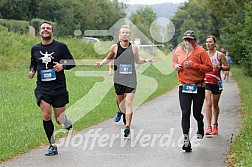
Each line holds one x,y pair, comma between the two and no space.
223,60
109,57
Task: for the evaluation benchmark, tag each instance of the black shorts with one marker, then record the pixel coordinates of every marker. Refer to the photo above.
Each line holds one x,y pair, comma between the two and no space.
121,89
214,88
56,98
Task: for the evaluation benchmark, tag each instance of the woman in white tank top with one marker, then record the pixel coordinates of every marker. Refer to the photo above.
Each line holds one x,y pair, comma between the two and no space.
214,84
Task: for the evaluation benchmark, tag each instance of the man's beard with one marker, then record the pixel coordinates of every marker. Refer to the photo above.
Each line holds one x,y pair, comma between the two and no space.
47,38
188,46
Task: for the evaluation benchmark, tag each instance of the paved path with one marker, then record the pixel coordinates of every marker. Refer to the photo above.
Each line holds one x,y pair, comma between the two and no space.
156,139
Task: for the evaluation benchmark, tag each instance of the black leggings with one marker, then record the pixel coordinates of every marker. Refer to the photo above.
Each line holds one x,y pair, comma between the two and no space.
186,100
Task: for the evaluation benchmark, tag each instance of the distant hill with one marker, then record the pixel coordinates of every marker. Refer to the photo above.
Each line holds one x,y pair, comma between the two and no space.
162,10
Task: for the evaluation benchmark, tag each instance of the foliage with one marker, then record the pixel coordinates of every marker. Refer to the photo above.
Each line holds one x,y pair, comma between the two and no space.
192,15
3,28
247,44
15,9
61,12
228,20
15,25
142,19
235,29
187,24
68,15
15,50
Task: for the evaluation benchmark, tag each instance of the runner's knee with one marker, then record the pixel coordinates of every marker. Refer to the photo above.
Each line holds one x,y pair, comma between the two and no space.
47,115
209,104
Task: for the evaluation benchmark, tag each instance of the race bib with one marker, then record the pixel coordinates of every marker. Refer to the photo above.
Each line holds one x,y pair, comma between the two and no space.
190,88
219,83
125,69
48,75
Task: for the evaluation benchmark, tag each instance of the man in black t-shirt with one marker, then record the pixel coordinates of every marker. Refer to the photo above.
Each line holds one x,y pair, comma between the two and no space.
49,59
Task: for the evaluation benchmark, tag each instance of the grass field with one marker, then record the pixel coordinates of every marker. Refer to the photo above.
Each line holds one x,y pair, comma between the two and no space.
21,122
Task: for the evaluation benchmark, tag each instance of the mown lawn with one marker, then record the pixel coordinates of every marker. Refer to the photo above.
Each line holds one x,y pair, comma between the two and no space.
21,122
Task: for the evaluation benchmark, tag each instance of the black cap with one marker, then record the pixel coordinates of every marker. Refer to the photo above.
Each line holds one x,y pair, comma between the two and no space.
189,34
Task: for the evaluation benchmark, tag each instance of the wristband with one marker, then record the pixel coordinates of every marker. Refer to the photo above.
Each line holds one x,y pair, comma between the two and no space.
220,68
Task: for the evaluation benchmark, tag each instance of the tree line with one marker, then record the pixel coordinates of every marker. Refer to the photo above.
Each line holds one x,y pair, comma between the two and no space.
229,20
69,15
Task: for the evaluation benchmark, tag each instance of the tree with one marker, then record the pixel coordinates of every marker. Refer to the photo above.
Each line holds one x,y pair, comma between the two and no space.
188,24
142,19
193,15
15,9
234,20
68,15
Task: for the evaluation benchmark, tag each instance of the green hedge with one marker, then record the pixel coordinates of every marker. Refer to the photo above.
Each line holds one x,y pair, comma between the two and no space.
3,28
17,26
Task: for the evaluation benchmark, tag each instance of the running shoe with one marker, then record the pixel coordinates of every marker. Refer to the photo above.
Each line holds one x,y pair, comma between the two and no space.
187,146
52,150
209,130
118,116
127,132
215,129
68,124
200,133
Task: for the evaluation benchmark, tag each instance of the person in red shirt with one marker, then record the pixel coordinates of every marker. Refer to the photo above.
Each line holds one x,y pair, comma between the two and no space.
192,62
214,84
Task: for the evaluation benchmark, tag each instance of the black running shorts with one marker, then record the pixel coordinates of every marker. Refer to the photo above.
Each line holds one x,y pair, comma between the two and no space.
56,98
214,88
121,89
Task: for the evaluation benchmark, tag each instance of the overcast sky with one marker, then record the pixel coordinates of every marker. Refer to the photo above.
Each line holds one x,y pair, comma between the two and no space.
150,2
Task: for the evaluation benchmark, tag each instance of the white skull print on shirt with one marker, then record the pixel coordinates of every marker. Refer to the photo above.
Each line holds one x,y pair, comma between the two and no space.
47,57
48,74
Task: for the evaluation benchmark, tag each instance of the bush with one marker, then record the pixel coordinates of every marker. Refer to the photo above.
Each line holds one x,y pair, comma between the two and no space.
15,49
3,28
17,26
247,64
